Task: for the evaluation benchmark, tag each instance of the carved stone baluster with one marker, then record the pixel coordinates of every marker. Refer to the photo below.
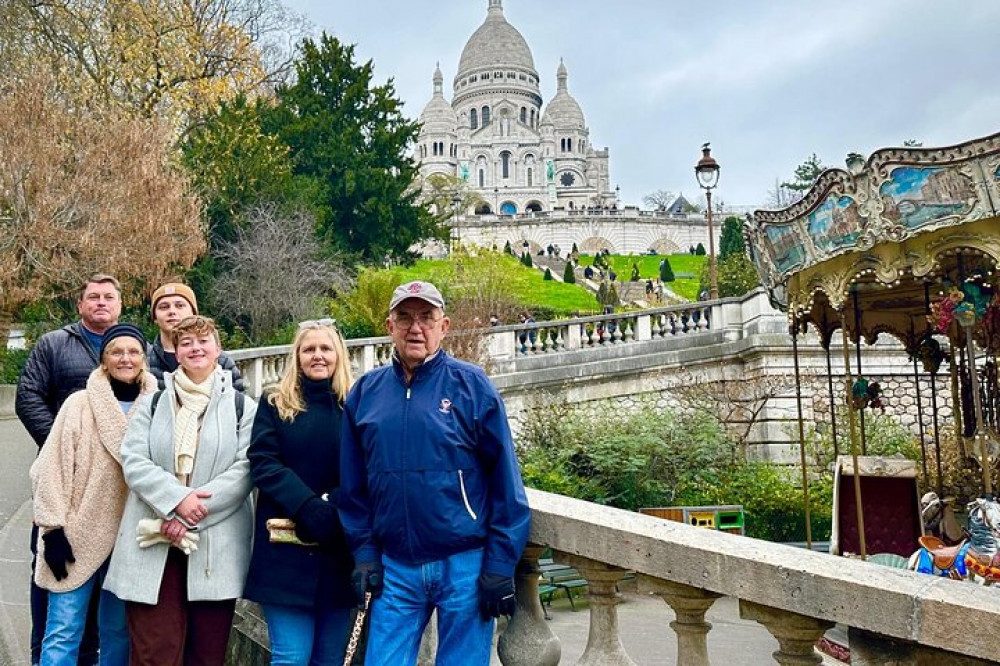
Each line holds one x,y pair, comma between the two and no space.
703,319
604,338
689,605
604,646
528,641
559,344
616,335
629,330
796,634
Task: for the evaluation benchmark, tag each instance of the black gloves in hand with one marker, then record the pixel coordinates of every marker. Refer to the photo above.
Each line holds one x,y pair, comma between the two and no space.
367,577
317,522
496,595
58,553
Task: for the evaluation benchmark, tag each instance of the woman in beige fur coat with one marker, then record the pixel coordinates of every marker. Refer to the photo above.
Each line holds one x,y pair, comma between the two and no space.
79,495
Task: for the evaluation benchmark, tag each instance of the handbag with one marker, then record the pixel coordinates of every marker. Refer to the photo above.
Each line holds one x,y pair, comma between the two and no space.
282,530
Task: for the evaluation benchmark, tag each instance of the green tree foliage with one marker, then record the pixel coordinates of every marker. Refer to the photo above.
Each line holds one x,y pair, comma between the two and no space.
666,270
656,457
635,272
569,276
526,259
731,241
700,250
805,175
352,138
548,274
508,249
362,312
736,275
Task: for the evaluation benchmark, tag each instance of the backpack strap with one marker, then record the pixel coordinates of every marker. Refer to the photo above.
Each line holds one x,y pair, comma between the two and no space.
156,401
240,404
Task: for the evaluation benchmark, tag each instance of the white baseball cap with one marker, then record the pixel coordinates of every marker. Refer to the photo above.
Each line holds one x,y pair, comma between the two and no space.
425,291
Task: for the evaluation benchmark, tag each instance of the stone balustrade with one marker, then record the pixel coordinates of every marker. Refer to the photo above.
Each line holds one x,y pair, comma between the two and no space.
893,616
263,366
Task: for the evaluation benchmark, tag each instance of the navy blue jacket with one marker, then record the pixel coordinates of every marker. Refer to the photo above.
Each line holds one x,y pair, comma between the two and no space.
57,367
292,463
428,469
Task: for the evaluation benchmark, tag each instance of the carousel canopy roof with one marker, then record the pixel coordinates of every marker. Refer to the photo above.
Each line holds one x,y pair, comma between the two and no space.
883,233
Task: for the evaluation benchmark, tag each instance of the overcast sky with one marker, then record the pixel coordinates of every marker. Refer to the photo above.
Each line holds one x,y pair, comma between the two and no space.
768,83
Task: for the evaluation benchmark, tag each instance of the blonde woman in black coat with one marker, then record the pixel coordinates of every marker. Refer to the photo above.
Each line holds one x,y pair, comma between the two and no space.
294,457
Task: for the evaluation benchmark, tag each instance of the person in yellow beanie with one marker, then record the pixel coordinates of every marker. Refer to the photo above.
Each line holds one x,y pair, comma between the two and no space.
170,303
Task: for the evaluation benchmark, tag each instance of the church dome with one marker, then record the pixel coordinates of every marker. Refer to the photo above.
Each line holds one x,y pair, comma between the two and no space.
438,116
563,111
495,43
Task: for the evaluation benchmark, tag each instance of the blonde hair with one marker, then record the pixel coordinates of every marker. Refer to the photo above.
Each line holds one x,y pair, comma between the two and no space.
287,398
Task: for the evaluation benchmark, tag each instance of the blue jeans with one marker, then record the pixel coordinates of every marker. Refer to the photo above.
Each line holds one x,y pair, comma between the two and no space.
301,637
67,616
411,593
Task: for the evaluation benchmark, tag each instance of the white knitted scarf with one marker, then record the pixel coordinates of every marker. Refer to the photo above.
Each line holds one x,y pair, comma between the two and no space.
194,399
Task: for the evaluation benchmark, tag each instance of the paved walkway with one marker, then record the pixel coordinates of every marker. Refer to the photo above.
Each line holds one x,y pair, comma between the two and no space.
643,620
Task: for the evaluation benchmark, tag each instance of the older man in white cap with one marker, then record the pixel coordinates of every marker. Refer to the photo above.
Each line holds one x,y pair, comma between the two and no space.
431,496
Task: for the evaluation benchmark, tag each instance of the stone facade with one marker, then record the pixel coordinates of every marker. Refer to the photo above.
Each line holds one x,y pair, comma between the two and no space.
495,135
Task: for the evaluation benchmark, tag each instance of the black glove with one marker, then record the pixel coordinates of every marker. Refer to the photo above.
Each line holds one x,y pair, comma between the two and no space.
58,552
496,595
367,577
317,522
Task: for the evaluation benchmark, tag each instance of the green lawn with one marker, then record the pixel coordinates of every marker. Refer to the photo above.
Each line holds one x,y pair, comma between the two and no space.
528,284
649,267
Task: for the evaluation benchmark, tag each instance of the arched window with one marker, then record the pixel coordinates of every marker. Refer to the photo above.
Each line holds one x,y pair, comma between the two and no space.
473,119
524,115
505,164
483,209
569,145
508,208
482,178
532,117
486,116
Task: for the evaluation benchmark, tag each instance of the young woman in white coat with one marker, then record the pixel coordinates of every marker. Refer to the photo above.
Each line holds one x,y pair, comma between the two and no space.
184,459
79,495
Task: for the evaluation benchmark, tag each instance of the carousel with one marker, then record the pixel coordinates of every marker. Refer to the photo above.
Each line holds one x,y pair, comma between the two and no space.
905,244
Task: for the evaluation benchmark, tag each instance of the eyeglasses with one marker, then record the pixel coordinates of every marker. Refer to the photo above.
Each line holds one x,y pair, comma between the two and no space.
315,323
424,320
119,354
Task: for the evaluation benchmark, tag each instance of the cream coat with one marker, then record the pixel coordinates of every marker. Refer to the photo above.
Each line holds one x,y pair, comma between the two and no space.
217,570
77,481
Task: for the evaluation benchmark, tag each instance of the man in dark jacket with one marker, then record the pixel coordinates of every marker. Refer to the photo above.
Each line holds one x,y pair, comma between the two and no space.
171,303
59,365
431,496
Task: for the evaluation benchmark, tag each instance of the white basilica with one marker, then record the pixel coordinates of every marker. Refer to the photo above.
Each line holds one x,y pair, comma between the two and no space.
494,134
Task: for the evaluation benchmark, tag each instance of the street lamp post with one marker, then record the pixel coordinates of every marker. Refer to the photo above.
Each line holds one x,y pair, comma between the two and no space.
707,171
456,210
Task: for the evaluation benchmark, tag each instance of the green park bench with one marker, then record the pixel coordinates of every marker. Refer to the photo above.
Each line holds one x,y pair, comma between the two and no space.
556,577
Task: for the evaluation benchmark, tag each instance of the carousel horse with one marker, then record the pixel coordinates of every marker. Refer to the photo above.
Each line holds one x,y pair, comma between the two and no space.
938,516
977,556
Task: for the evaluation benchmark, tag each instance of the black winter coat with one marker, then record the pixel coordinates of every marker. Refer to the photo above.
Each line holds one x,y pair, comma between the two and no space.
158,364
57,367
292,463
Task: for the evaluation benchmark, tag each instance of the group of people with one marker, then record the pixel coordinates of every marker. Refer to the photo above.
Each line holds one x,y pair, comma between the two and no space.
402,491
